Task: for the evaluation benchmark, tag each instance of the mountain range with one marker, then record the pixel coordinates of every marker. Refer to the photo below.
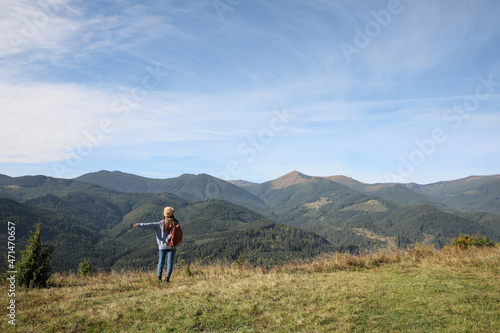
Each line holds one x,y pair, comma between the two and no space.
293,217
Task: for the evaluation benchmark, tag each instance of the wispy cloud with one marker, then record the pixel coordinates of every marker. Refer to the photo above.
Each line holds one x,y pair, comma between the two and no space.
40,123
44,27
221,81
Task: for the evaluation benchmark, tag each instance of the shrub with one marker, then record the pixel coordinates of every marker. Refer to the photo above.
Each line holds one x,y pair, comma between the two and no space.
240,261
85,268
465,241
421,251
34,268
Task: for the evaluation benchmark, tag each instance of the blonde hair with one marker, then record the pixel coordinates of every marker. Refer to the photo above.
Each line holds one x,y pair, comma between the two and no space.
169,223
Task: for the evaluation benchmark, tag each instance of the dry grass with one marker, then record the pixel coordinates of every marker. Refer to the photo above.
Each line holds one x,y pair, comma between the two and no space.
448,290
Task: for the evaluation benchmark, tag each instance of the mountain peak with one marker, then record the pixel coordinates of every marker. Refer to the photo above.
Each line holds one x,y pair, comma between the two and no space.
290,179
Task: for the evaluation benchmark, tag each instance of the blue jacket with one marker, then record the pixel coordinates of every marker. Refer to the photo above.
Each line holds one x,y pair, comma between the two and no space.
161,236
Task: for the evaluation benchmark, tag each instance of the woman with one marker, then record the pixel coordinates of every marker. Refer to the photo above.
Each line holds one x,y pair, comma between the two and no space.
164,230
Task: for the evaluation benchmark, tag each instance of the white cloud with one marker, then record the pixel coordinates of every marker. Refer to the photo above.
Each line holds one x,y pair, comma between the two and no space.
41,122
28,26
226,78
126,31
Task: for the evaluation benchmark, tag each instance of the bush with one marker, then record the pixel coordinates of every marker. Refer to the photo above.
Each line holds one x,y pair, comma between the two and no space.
34,268
421,251
85,268
465,241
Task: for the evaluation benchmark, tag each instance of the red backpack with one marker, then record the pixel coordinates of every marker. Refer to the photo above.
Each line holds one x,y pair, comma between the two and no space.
176,236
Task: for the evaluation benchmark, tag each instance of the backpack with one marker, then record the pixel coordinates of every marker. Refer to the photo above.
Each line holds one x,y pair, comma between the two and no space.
176,235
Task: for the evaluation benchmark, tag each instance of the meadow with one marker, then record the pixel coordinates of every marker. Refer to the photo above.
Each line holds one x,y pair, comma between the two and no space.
420,290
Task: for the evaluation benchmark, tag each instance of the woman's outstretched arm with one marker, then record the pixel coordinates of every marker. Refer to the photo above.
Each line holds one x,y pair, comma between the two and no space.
152,225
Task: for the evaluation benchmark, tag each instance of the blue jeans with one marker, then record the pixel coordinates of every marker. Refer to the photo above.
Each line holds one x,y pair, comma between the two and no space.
170,261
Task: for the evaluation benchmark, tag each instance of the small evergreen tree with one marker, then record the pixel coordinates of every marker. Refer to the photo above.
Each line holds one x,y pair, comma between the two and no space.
85,268
34,269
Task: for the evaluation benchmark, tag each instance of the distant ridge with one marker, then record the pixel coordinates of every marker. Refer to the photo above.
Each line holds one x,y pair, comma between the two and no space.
344,180
473,193
241,182
188,186
457,184
296,177
397,193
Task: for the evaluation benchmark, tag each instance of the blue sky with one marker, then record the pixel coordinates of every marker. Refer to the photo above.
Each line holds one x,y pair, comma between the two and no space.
404,91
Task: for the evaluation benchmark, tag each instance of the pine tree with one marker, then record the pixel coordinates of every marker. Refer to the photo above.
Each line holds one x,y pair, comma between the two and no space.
85,268
34,268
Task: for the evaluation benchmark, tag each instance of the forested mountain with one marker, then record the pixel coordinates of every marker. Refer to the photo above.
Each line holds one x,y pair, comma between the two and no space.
346,217
399,194
396,193
295,189
187,186
73,240
218,230
97,224
292,217
27,187
475,193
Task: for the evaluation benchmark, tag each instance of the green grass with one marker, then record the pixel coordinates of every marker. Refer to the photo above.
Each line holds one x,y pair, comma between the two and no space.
422,290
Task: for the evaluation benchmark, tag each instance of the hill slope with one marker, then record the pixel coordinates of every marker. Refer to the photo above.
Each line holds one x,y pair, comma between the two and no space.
397,193
189,187
72,240
421,291
98,225
354,220
295,189
475,193
218,230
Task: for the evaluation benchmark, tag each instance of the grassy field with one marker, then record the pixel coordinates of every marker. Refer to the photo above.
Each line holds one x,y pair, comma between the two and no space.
422,290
